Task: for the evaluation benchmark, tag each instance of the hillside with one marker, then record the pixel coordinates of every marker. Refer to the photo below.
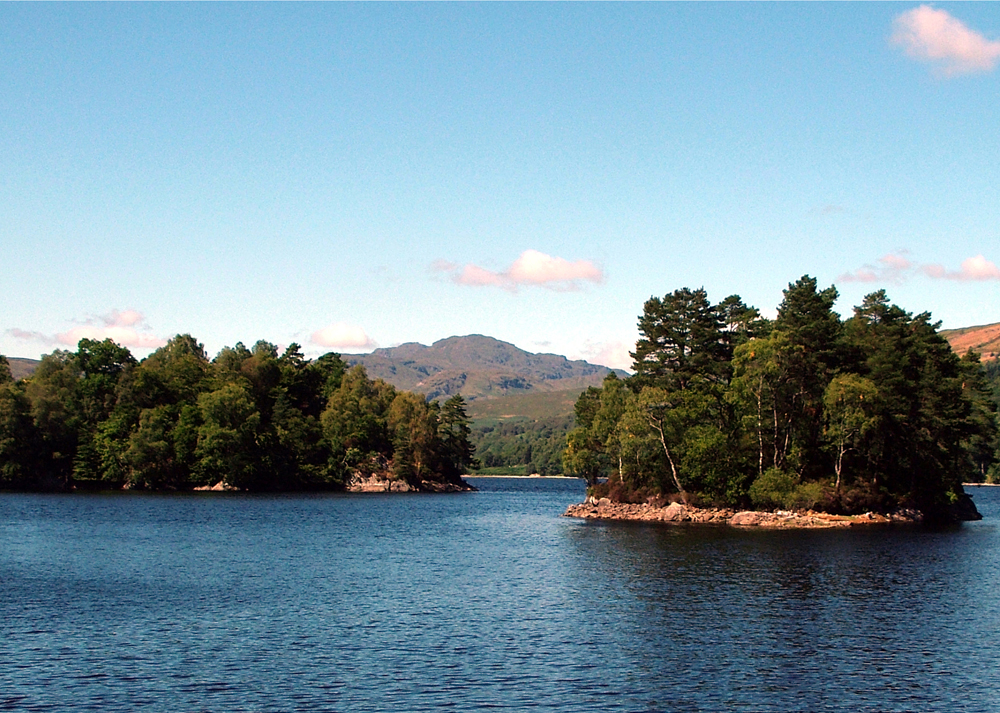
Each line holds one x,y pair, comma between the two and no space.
477,367
20,367
984,339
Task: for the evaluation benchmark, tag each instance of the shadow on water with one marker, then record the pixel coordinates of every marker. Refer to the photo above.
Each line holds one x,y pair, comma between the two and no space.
896,618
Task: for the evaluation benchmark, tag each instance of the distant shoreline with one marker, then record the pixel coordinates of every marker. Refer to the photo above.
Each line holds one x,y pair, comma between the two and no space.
527,477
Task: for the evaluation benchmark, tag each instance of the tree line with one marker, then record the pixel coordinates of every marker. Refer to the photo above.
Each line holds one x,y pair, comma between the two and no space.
531,446
806,410
252,419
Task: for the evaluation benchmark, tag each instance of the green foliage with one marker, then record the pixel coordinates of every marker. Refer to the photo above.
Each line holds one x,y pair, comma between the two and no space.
251,419
521,444
775,488
680,340
457,452
809,410
19,438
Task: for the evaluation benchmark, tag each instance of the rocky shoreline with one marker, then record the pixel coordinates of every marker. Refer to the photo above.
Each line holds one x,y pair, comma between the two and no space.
379,484
605,509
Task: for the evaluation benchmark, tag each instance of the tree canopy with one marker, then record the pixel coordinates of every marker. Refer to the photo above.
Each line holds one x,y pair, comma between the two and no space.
807,410
252,419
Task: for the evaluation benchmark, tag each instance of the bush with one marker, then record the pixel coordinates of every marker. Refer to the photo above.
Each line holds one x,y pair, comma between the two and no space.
618,492
860,498
774,489
806,496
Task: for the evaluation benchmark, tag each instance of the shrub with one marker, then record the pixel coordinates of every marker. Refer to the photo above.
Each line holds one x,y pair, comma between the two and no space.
859,498
806,496
773,489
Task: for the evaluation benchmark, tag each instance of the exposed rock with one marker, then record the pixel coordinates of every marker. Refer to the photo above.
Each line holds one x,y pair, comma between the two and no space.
377,483
747,518
382,483
675,512
218,487
964,509
605,509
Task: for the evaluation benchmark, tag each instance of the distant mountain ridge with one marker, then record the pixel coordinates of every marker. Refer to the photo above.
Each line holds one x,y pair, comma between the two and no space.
477,366
984,339
481,366
21,367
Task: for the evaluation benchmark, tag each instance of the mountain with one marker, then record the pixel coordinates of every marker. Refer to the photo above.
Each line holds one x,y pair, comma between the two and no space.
20,367
477,367
984,339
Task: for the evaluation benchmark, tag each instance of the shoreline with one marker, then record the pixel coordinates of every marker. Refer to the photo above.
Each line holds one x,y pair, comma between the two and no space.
527,477
604,509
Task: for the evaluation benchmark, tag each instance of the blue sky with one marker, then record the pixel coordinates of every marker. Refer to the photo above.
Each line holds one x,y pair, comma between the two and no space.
350,176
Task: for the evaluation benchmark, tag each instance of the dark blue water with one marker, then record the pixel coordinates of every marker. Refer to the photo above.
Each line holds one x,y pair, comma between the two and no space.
481,601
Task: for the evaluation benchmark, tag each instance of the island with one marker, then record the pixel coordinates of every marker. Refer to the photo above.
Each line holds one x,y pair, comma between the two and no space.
250,420
806,420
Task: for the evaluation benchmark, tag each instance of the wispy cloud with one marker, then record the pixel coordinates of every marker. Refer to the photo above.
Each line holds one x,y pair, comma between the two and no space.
935,36
532,268
893,268
342,336
126,327
26,335
896,268
615,354
974,269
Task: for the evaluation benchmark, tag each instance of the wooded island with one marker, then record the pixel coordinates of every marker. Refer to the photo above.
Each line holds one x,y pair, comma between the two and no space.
724,409
728,409
250,419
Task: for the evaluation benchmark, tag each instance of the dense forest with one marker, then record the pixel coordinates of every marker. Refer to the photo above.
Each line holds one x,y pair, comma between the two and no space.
250,419
522,446
806,410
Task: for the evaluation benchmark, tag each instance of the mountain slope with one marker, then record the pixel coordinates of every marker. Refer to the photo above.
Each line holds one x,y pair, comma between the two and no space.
20,367
984,339
477,366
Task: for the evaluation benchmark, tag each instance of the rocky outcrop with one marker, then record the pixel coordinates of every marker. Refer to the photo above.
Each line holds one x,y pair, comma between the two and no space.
382,483
605,509
218,487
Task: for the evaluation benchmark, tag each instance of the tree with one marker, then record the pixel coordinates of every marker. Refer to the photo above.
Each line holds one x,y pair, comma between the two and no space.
850,407
764,390
925,416
101,365
984,440
806,316
413,424
592,449
740,323
354,420
457,453
681,338
19,439
56,411
227,449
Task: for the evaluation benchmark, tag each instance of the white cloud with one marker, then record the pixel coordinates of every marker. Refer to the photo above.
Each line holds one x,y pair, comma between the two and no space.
896,268
123,335
342,336
614,354
29,336
973,269
893,268
532,268
936,37
127,328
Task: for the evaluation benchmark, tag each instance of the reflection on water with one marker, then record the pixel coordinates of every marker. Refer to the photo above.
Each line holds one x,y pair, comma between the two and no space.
482,600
